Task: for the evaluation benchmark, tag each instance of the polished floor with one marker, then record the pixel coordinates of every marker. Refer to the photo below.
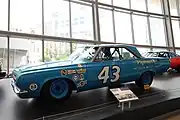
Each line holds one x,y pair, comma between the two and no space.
14,108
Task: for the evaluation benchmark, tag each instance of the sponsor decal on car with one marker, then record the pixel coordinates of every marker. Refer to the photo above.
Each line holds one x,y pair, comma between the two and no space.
78,77
81,77
75,77
69,72
64,72
81,83
145,61
79,71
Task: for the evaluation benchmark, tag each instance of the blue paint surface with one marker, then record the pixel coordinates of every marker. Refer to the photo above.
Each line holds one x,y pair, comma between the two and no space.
84,74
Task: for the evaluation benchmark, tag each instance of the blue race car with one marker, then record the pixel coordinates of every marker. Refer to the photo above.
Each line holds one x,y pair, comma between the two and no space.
89,67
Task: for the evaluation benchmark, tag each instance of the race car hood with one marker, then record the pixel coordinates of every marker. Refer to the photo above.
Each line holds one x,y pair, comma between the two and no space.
25,68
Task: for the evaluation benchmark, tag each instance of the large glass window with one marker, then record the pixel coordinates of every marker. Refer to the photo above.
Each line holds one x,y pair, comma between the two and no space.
138,5
4,14
54,51
141,34
173,7
123,27
176,32
154,6
157,32
143,51
26,16
24,51
77,45
56,18
82,24
121,3
3,53
159,49
106,25
178,51
105,1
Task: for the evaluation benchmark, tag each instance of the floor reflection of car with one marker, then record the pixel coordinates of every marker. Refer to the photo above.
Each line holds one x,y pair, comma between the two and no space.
174,58
88,67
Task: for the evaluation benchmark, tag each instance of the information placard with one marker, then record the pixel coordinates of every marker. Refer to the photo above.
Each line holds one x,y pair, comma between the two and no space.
124,94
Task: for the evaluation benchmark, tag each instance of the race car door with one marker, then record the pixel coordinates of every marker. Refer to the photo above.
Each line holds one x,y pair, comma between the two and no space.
124,60
99,71
111,68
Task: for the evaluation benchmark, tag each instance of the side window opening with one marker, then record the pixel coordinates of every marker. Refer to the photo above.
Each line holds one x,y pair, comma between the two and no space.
105,54
114,54
126,54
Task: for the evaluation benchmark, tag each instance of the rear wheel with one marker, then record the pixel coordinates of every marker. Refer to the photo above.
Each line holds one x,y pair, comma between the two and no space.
59,89
145,79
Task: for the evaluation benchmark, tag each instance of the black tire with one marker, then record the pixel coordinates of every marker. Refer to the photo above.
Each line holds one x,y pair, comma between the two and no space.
46,92
178,70
137,82
147,76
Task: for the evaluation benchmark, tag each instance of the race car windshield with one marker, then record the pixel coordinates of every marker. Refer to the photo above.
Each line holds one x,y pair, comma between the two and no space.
84,54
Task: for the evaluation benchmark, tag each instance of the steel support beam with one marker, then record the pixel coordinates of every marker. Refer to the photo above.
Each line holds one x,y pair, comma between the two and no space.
148,25
70,26
114,27
178,10
132,25
96,21
113,21
42,30
8,39
168,25
61,39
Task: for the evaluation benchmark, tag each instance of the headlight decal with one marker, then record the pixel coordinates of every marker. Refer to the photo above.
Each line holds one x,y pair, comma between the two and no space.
33,86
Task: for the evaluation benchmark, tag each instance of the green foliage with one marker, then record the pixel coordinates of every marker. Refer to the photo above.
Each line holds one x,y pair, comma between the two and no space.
50,54
47,59
63,57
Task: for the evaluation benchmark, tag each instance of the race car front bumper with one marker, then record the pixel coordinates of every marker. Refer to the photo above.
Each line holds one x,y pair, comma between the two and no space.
20,93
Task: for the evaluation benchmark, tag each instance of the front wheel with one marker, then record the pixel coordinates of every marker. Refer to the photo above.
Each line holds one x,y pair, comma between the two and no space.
145,79
58,89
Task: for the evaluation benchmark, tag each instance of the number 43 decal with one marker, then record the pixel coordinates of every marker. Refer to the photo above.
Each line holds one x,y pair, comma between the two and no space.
104,74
